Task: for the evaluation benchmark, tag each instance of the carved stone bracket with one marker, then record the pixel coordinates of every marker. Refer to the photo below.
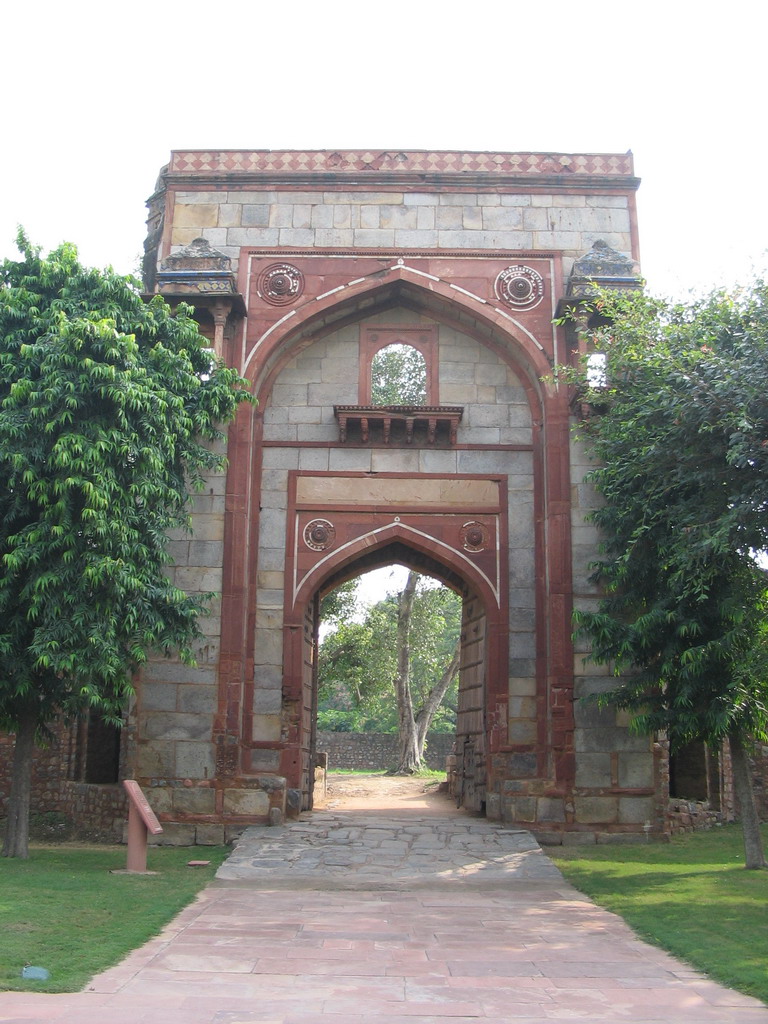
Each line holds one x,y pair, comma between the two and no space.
398,423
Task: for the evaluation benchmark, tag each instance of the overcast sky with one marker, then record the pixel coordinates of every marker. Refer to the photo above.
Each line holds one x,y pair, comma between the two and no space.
96,95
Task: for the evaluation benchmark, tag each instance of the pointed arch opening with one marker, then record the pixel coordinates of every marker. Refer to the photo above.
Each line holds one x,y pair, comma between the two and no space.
481,651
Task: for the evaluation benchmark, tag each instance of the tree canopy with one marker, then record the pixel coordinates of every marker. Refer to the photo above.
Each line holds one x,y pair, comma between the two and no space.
109,408
360,661
398,376
679,437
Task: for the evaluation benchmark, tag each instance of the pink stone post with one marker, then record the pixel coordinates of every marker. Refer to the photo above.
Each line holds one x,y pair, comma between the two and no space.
141,822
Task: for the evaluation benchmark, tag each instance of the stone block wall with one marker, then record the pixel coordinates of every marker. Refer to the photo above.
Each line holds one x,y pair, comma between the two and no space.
412,220
377,752
175,703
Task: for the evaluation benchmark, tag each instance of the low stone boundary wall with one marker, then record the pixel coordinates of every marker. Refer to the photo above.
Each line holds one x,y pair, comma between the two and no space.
377,751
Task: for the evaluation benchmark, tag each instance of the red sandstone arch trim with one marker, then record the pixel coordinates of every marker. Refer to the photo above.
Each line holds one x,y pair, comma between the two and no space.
379,537
526,348
550,412
295,665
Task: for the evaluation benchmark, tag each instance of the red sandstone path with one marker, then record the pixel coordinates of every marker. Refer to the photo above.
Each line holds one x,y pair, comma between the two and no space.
392,908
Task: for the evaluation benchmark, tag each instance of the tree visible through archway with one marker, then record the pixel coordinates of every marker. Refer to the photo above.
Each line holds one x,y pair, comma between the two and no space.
398,376
393,666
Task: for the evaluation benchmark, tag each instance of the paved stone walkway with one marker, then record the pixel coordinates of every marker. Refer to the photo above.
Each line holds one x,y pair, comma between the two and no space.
392,918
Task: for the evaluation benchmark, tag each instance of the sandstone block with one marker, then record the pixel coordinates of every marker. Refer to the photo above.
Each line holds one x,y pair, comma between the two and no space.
342,217
522,707
636,810
507,218
593,771
296,236
596,810
437,461
205,553
549,809
635,770
216,236
157,696
160,799
425,217
457,199
255,216
229,215
399,216
268,648
266,727
422,199
197,699
251,802
330,238
159,725
449,217
319,217
281,216
193,800
522,731
174,835
265,760
349,459
521,686
313,458
209,835
253,236
369,217
267,702
416,239
302,215
537,218
197,215
156,760
579,838
374,238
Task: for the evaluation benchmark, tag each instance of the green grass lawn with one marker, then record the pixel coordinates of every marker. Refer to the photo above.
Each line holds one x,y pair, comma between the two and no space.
692,897
63,910
422,773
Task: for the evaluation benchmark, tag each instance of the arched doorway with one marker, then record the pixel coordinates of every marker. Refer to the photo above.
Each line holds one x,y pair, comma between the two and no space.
477,479
481,645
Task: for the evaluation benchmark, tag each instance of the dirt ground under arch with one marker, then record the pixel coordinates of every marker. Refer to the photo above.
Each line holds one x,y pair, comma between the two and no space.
379,791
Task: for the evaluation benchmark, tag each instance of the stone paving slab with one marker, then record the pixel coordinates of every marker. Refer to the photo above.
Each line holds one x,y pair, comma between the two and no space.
355,851
491,935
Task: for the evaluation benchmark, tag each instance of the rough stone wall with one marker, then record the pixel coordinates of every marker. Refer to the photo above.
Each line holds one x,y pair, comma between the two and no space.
377,751
51,765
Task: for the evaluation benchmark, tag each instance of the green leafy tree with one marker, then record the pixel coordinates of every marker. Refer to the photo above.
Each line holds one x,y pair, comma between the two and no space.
108,406
406,648
398,376
679,436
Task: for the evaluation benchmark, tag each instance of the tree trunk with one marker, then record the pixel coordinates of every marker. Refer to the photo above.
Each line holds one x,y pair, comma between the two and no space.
17,825
754,858
433,701
409,759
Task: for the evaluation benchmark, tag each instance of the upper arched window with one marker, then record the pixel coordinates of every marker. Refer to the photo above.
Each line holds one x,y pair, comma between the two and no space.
398,376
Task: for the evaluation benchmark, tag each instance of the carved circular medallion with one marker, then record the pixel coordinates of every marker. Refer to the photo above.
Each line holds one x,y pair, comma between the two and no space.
520,287
281,283
319,534
474,536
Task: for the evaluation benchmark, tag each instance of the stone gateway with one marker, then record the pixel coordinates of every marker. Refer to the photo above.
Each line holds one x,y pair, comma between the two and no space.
301,268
